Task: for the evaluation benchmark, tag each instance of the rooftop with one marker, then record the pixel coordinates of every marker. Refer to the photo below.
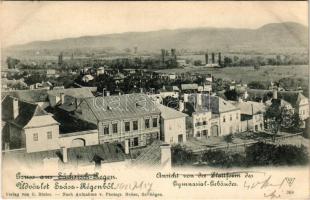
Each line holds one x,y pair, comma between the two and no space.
26,111
107,152
213,103
193,86
69,124
292,97
170,113
74,92
150,155
39,95
250,107
121,106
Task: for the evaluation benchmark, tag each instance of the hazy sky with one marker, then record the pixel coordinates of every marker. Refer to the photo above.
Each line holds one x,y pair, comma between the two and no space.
29,21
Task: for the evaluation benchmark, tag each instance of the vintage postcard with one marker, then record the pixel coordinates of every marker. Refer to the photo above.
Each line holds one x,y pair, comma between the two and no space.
155,100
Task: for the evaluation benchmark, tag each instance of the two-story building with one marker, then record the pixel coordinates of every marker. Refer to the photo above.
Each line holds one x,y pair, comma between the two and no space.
172,125
252,115
28,126
130,118
212,115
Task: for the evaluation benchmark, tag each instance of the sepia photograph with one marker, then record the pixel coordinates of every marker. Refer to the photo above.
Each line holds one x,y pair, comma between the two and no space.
155,100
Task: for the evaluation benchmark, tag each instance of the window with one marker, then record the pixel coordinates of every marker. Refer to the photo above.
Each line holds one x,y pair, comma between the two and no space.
35,137
136,141
114,126
224,119
204,122
198,134
230,117
127,126
155,122
135,125
106,130
49,135
147,123
205,132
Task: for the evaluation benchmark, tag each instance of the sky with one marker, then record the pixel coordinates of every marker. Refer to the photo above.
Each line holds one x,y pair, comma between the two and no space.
23,22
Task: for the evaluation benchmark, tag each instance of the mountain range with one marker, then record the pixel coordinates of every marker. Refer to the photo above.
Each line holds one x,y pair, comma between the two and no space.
274,37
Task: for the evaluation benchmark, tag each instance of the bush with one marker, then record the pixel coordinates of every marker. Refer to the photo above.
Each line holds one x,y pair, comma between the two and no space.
261,154
181,156
219,158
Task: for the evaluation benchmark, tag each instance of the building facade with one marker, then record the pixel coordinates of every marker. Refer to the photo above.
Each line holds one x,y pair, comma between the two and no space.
131,118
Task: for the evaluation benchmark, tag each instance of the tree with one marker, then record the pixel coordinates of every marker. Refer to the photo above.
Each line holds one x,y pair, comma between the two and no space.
261,154
181,156
296,122
228,139
12,62
278,116
256,85
231,95
197,63
227,62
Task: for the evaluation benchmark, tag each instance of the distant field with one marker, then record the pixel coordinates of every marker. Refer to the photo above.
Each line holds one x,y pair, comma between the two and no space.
248,74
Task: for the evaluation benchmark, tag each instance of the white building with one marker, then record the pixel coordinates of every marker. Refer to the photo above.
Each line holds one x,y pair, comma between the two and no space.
28,126
220,116
86,78
100,71
252,115
172,125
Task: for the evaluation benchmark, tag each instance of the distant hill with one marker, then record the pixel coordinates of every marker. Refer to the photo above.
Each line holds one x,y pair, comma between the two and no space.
275,37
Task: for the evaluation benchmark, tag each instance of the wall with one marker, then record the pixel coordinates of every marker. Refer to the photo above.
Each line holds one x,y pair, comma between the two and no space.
142,133
250,125
200,117
43,143
232,122
172,128
303,109
83,112
17,137
90,138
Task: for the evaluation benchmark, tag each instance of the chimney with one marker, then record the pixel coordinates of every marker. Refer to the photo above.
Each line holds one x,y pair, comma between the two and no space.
64,154
163,53
15,108
127,146
62,98
185,97
220,58
275,93
181,106
165,152
199,99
